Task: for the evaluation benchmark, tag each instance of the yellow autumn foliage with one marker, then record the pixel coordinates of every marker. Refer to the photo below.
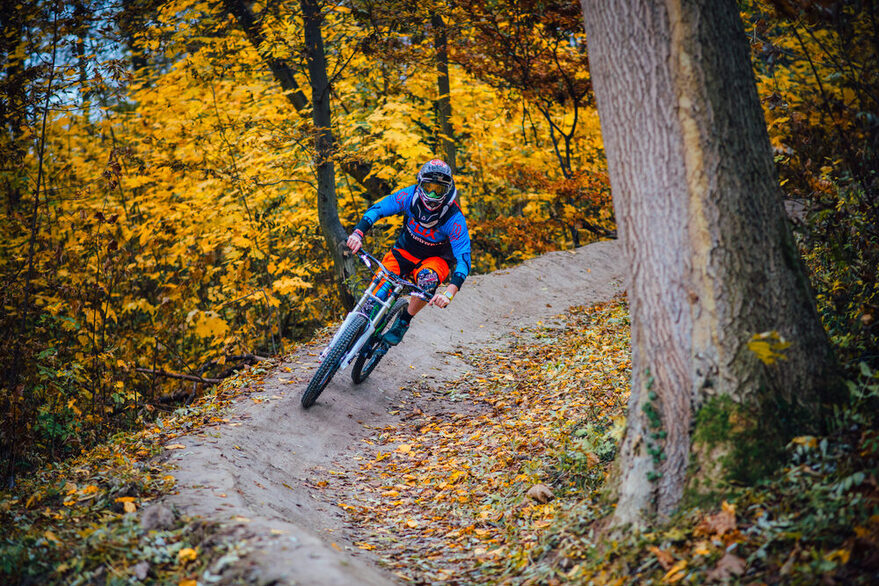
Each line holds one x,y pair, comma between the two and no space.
177,222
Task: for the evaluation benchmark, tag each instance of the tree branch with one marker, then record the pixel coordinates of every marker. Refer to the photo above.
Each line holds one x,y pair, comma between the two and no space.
358,169
198,379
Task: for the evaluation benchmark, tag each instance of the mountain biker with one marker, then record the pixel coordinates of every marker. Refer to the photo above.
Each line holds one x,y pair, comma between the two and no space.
434,235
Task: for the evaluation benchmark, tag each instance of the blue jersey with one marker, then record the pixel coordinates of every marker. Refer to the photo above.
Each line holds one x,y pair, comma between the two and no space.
446,237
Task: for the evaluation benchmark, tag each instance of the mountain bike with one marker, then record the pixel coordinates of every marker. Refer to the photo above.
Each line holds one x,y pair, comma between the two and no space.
360,337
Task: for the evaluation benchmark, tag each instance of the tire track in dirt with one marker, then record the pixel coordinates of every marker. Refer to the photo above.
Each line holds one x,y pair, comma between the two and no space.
258,474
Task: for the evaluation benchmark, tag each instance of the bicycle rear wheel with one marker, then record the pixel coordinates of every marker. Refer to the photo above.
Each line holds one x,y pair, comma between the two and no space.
375,349
330,364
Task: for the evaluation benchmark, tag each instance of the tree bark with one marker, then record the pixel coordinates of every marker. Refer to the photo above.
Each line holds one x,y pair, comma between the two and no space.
13,101
327,211
444,101
131,19
713,261
357,169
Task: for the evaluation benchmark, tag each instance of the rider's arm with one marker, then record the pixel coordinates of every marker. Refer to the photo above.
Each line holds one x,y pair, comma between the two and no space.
388,206
460,240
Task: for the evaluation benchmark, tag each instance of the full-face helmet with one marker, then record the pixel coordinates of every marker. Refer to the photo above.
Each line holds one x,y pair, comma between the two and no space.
435,184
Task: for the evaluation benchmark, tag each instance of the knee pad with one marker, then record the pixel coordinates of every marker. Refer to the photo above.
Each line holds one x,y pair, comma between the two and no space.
428,280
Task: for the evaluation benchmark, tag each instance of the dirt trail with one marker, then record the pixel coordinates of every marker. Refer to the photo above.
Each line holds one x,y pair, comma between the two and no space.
257,474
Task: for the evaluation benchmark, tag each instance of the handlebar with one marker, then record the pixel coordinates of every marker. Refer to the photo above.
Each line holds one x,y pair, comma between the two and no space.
368,258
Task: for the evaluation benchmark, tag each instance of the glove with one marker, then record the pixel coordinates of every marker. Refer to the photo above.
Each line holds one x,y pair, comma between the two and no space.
355,240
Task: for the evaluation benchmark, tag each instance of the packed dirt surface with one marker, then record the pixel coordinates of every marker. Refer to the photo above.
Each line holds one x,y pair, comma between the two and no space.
259,474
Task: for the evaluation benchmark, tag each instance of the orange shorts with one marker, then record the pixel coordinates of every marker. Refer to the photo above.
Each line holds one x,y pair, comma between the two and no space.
404,264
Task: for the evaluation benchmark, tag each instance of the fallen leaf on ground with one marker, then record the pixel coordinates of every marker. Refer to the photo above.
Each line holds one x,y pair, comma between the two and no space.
719,523
540,493
666,560
51,537
728,566
676,573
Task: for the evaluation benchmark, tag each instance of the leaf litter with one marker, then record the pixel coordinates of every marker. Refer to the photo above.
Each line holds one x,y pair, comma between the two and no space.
496,478
501,478
96,518
464,495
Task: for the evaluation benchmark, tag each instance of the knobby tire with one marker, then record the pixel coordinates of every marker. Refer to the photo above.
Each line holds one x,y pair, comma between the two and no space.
330,364
364,366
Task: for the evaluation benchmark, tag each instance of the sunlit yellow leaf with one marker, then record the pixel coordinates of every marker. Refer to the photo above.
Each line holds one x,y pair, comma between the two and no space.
768,346
842,555
806,440
288,285
187,554
676,573
209,324
51,537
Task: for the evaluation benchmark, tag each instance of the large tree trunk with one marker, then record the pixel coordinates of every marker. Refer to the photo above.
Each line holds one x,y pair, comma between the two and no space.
334,234
444,101
712,258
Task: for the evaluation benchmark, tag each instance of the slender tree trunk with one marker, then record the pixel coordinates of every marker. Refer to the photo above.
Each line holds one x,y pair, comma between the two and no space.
334,233
80,15
12,102
358,169
712,258
444,101
12,378
132,19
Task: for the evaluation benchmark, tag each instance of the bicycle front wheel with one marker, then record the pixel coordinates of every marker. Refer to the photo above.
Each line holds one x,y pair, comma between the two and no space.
375,349
330,364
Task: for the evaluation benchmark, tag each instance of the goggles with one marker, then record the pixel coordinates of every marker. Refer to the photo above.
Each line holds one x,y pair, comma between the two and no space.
434,190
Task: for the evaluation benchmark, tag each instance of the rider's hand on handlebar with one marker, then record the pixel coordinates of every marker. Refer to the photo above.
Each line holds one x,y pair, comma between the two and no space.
441,300
354,242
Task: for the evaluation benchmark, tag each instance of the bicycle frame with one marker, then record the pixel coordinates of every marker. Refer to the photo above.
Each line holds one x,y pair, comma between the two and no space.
399,284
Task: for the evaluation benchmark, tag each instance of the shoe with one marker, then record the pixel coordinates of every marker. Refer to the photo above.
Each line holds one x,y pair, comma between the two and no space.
396,333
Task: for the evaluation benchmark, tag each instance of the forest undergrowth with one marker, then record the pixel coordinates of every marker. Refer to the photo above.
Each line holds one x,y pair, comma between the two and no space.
514,492
83,520
502,483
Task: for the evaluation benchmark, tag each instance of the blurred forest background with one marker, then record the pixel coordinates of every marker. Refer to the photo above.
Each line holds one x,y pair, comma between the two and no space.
160,212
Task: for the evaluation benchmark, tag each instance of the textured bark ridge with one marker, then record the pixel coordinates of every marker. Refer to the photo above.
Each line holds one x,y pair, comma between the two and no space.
713,260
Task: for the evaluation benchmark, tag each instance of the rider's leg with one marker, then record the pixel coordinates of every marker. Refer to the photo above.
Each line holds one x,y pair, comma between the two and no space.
428,278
